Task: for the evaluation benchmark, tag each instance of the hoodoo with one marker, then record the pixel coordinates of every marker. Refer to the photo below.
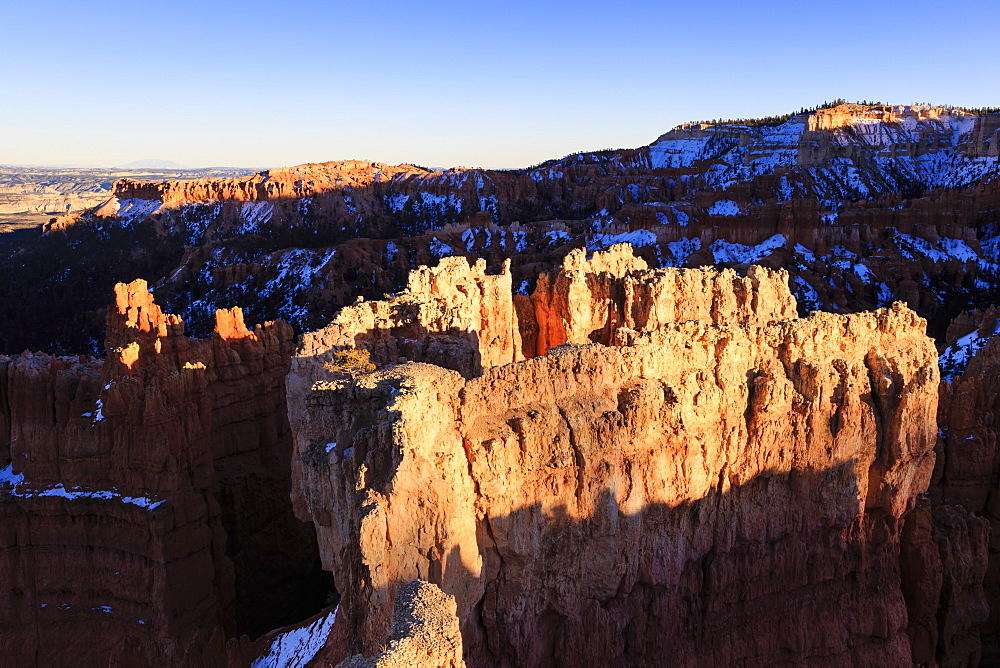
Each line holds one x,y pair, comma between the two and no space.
145,510
697,464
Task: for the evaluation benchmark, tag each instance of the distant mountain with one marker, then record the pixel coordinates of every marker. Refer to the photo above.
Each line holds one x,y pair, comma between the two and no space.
152,163
217,168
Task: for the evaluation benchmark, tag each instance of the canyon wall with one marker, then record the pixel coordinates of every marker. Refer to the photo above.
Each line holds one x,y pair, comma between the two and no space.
723,469
968,467
146,499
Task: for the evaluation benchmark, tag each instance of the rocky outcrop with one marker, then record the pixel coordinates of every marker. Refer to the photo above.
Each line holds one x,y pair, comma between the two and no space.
943,564
454,315
743,473
145,502
612,296
424,632
860,204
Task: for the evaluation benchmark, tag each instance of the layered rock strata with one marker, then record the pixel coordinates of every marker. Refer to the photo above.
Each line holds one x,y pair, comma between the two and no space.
58,190
145,498
724,470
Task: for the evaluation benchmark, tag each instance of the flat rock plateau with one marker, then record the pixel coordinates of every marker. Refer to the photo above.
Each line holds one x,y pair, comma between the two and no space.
726,399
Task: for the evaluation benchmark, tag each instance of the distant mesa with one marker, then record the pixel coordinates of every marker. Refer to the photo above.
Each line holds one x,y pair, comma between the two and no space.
152,164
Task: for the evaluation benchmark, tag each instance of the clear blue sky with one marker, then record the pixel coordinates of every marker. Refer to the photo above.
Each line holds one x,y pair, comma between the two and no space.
499,84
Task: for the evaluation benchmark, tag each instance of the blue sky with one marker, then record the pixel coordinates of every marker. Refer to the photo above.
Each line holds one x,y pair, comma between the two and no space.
264,84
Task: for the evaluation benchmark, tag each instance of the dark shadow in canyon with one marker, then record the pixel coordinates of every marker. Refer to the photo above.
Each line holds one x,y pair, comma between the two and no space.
780,570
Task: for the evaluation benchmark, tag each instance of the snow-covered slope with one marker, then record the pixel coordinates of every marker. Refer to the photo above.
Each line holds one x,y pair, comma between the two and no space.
848,151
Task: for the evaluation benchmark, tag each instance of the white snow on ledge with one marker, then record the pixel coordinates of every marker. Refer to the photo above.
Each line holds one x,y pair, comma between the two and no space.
128,211
7,476
726,252
296,648
955,358
724,207
638,239
945,249
72,493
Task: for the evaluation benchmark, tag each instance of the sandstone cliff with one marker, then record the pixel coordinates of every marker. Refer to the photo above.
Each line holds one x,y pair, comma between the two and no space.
409,473
145,502
728,471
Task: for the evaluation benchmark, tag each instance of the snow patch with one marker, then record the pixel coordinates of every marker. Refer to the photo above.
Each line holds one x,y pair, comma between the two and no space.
677,152
945,249
7,476
557,236
469,237
298,268
885,296
432,201
955,358
864,273
439,248
638,238
680,251
296,648
253,215
724,207
730,253
395,203
72,493
130,210
806,294
391,252
805,252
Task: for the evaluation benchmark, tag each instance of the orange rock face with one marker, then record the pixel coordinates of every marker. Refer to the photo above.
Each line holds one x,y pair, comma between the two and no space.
453,315
146,513
725,469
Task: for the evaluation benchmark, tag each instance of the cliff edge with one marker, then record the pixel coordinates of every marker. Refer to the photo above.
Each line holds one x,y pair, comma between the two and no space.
723,470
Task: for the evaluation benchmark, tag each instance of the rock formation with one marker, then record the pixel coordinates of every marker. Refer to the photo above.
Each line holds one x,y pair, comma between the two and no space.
145,502
59,190
453,315
424,632
594,458
862,204
968,470
728,471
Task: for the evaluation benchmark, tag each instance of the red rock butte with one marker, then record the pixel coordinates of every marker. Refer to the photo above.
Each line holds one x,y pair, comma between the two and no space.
697,461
